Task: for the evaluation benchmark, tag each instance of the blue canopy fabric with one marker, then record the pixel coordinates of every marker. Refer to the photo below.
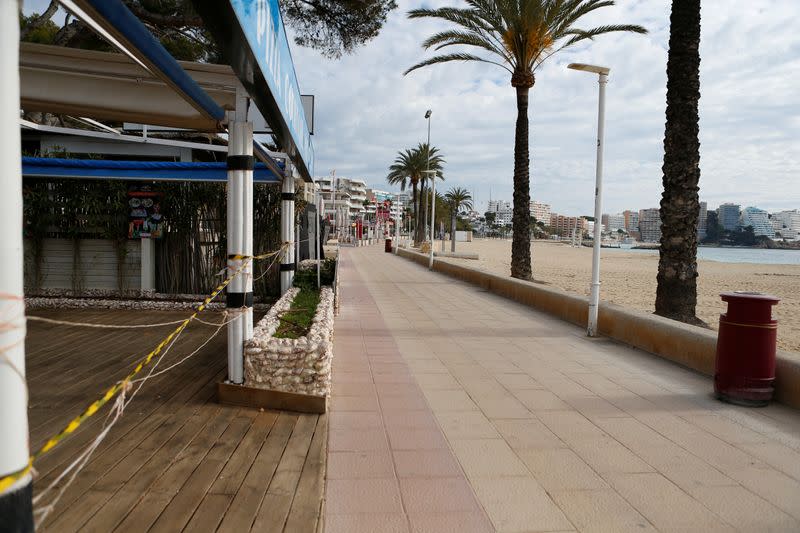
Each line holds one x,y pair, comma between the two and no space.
45,167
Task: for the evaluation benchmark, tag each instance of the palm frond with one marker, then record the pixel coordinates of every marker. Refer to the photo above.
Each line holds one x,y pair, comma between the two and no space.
459,56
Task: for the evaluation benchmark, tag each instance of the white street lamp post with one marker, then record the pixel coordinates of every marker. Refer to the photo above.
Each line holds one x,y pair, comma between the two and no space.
594,301
432,176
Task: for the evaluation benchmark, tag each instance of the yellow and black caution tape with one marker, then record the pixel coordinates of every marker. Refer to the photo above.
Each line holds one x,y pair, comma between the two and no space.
95,406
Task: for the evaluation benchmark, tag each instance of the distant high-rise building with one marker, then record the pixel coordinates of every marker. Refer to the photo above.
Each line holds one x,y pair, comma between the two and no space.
758,219
728,215
503,210
787,223
540,211
631,220
650,225
702,222
614,222
498,205
565,226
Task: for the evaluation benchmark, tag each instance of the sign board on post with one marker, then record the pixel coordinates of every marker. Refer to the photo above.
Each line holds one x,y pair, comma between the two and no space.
253,37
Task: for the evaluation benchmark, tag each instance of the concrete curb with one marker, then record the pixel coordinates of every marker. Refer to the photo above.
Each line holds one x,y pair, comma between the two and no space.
690,346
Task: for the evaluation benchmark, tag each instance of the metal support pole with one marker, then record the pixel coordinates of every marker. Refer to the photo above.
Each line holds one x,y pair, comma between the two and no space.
240,165
594,302
16,511
287,229
318,203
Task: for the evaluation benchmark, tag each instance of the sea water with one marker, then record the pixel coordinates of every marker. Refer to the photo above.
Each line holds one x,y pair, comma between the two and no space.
733,255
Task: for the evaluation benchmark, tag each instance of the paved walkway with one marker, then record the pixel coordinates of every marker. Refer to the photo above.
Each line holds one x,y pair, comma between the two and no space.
452,405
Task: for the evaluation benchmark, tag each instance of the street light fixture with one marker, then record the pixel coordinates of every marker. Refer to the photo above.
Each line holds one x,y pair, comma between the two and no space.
594,300
428,114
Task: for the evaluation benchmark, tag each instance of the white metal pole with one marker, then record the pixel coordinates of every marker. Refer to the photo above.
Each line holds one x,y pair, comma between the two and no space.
234,227
15,496
318,203
333,204
398,220
247,243
287,229
598,207
433,190
239,235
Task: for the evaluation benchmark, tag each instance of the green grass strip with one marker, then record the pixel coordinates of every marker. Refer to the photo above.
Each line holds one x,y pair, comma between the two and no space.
296,322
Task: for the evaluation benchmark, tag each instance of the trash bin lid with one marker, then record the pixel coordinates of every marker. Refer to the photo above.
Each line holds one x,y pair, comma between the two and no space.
745,295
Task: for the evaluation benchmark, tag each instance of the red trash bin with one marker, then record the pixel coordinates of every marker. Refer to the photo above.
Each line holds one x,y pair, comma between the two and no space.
388,246
745,363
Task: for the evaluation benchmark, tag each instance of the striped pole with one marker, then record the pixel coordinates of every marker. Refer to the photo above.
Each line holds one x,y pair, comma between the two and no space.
16,510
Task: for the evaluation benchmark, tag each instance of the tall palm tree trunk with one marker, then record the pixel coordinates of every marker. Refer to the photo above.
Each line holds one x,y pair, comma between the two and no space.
676,295
453,232
521,218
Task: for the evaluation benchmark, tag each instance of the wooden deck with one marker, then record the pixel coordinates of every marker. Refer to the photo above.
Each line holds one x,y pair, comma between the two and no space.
176,460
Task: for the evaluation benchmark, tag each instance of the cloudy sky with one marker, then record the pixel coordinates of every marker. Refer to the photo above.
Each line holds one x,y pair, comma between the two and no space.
749,109
366,110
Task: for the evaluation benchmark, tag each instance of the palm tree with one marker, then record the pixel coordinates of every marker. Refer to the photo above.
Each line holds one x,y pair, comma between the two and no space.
518,36
676,294
457,198
408,169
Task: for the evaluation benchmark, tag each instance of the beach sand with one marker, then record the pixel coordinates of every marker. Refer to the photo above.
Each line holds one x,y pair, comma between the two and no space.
629,279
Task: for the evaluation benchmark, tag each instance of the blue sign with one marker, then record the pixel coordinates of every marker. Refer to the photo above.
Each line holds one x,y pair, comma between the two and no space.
263,28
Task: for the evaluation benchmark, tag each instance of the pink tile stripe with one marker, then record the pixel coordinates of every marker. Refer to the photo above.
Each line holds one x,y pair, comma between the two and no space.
390,468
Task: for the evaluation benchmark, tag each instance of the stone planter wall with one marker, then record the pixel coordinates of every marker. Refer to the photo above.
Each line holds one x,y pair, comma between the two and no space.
300,365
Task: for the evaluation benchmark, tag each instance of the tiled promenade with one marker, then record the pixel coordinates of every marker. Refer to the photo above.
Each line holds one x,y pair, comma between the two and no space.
456,410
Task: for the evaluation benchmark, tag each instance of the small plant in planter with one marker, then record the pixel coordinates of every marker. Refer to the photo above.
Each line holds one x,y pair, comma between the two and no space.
292,348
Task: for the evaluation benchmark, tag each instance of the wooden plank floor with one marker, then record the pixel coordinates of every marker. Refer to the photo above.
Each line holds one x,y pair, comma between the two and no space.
176,460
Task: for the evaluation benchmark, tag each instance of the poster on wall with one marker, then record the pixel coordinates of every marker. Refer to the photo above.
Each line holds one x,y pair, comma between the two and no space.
145,220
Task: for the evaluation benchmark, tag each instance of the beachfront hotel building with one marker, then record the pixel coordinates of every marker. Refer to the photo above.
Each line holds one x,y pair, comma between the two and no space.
758,219
564,226
540,211
728,216
650,225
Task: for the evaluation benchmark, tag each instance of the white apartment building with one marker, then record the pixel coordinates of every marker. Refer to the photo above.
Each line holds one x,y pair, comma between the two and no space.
758,219
348,202
495,206
614,222
503,211
540,211
650,225
787,223
504,216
